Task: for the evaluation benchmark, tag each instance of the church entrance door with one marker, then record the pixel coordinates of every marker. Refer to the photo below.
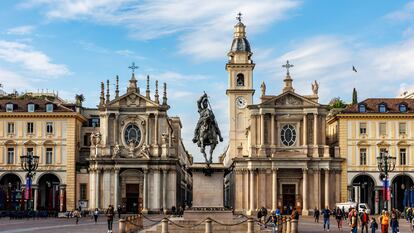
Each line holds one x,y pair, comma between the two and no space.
132,198
289,197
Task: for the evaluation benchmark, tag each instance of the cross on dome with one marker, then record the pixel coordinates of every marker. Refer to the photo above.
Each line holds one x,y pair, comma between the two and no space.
239,16
133,67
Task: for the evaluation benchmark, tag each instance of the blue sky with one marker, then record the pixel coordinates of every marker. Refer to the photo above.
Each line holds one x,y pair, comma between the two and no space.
70,46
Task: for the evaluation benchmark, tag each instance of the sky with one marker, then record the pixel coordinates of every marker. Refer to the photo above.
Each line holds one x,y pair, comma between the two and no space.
71,46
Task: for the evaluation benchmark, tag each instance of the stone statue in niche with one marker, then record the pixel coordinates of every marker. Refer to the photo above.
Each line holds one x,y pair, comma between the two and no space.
116,151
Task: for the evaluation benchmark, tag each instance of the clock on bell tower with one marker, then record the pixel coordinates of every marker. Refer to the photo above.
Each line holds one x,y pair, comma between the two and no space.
240,89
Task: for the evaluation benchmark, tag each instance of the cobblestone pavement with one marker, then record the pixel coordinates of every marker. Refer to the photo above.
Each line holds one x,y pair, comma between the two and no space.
86,225
60,225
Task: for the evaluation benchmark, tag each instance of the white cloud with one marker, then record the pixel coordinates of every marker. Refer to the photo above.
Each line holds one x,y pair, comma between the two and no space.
21,30
11,80
204,27
30,59
404,14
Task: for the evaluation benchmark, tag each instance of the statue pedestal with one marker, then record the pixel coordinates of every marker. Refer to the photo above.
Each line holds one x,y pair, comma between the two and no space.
208,192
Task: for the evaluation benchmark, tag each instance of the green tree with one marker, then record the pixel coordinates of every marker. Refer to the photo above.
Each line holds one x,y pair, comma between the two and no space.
354,96
336,103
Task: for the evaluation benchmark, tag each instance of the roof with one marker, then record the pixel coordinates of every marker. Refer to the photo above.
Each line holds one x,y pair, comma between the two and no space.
372,104
20,105
240,45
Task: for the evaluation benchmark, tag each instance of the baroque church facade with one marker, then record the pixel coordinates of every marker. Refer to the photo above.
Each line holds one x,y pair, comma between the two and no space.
134,157
277,152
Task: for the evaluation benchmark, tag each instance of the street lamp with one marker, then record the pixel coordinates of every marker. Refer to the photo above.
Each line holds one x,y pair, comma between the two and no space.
386,164
29,163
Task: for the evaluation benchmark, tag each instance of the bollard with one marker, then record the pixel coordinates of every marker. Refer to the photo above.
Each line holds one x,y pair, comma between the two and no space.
209,228
250,225
294,227
284,223
164,225
121,226
288,226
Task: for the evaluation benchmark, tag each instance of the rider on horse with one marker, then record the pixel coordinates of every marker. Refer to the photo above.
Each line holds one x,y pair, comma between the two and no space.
207,120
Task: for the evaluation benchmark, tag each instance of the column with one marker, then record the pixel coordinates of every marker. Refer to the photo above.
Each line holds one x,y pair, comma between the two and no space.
106,188
327,192
274,189
252,192
35,195
272,128
238,192
305,192
62,198
147,139
164,189
116,132
317,187
97,192
157,189
262,131
304,134
116,187
315,129
338,186
145,192
91,189
323,133
156,129
376,211
246,189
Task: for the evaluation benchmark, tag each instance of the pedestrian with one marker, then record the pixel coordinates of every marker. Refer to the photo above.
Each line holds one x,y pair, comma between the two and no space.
76,215
119,210
339,216
326,215
344,214
316,214
295,214
354,221
384,219
180,211
95,215
277,212
273,219
394,223
110,217
373,225
264,213
364,221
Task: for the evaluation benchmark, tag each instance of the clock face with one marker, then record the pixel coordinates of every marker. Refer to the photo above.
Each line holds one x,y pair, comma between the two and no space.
240,102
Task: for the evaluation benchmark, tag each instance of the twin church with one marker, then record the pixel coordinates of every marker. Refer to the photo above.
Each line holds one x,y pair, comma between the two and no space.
129,152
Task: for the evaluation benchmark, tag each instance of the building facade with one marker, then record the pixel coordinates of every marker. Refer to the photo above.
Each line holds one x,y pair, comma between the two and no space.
277,153
44,125
359,134
136,157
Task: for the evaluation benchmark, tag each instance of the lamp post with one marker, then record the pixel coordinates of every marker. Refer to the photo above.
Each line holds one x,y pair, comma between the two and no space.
386,164
29,163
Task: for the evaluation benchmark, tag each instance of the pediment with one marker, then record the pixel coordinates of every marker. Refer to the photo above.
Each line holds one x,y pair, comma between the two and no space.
132,100
289,99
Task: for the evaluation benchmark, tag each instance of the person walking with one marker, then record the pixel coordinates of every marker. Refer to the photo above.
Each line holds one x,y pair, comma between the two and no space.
316,214
110,217
76,215
273,219
339,216
384,219
373,225
394,223
326,213
353,219
119,210
364,221
95,215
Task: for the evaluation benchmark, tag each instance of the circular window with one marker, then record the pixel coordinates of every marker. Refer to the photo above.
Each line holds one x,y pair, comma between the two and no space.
132,134
288,135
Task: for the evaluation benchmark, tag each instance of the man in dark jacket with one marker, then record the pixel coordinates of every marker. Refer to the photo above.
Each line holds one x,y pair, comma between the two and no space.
110,217
326,213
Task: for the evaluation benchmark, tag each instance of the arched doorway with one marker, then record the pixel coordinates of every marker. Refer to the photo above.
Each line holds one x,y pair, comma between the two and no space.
10,192
49,198
131,184
364,190
401,186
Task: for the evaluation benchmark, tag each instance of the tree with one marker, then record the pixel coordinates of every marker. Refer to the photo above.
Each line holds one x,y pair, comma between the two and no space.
336,103
354,96
79,99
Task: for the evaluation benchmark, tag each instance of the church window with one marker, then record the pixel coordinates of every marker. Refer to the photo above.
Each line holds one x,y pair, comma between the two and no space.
363,156
288,135
132,134
240,80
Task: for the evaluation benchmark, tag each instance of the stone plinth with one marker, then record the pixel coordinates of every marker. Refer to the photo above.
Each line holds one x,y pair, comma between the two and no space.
208,192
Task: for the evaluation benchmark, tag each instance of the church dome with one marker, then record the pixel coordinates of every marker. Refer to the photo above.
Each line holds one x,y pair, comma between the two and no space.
240,45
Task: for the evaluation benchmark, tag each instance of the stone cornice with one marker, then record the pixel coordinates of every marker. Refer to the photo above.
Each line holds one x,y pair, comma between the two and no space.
43,115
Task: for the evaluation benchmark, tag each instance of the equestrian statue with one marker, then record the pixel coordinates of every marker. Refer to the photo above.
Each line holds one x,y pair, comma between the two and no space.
207,130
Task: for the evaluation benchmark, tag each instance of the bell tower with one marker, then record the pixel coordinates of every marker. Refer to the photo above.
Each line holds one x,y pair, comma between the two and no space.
240,89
